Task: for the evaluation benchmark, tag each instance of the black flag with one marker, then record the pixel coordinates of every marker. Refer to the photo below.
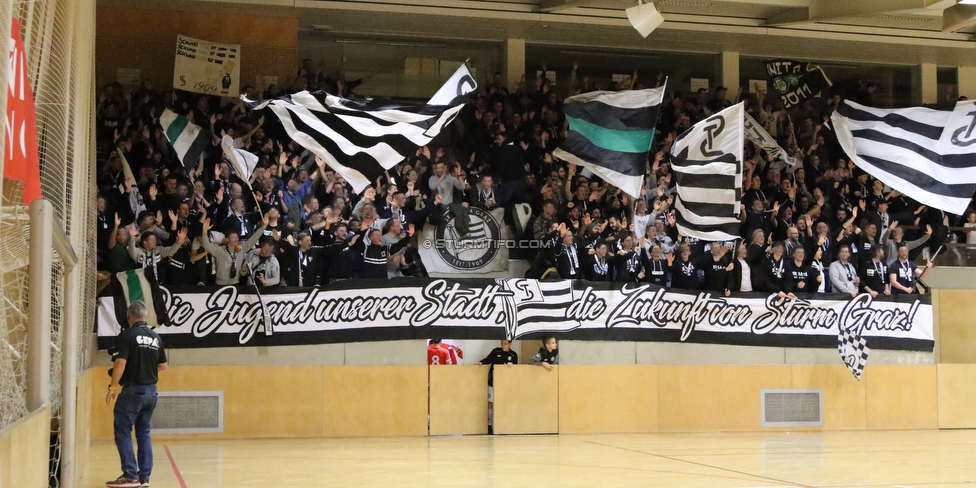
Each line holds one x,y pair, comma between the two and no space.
795,81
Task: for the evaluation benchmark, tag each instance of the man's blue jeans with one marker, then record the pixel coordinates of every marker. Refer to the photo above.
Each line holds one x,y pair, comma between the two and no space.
135,406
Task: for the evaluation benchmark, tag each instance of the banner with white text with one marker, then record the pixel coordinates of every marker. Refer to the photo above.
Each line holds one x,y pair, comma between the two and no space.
207,67
381,310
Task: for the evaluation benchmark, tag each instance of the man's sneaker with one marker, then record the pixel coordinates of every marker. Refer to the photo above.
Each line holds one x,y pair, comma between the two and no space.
144,484
123,482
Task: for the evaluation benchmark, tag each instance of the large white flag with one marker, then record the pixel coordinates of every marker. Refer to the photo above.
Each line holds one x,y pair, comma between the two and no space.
242,161
459,84
361,140
707,164
926,153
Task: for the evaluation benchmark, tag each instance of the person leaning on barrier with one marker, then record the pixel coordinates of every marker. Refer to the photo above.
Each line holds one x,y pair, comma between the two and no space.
139,359
548,354
903,274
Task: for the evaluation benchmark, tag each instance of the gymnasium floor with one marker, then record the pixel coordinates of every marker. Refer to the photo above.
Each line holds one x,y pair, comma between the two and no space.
923,459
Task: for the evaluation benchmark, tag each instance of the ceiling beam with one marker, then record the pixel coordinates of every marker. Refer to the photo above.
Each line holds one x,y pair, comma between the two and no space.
821,10
773,3
557,5
790,16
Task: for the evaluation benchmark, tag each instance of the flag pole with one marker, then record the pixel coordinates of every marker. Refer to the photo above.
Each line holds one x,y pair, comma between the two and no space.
265,316
735,249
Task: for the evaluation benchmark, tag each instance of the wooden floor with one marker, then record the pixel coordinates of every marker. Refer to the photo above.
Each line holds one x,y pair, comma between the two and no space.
870,459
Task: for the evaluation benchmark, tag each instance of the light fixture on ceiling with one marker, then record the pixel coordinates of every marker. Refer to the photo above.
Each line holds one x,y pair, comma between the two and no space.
644,17
968,2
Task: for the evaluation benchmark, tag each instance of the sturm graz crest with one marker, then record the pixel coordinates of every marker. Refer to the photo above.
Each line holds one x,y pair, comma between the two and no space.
474,250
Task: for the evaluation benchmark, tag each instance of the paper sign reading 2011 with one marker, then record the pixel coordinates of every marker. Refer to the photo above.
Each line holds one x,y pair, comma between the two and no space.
207,67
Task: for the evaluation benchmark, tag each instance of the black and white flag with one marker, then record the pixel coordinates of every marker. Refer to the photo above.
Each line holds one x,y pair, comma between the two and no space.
361,140
853,350
758,136
540,305
243,162
925,153
706,161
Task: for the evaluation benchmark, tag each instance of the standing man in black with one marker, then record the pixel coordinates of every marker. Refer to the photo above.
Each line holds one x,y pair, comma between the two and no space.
140,359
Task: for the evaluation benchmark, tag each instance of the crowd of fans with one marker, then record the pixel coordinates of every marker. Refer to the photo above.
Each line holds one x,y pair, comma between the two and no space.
822,225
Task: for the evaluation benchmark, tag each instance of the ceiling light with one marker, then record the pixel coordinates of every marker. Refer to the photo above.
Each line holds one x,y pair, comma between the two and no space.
644,17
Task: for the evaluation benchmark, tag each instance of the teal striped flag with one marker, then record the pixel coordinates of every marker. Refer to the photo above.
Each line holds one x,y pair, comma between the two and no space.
610,133
188,139
139,286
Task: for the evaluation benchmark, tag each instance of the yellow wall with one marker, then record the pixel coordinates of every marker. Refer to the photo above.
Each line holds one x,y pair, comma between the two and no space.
604,399
24,450
349,401
459,400
374,401
526,400
295,401
957,396
954,311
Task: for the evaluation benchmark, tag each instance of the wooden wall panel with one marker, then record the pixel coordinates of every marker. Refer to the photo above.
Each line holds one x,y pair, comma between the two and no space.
343,401
695,398
459,400
24,451
260,401
901,396
374,401
957,396
608,399
957,336
100,419
526,400
83,423
844,396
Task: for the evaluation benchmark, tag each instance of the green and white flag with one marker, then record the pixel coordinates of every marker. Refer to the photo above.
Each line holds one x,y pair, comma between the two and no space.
139,286
188,139
610,133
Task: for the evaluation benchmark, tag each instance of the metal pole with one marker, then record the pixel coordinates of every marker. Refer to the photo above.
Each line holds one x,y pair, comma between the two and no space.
83,39
69,374
39,305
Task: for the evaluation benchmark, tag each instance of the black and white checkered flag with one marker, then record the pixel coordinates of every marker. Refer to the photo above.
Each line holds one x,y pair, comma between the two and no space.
853,351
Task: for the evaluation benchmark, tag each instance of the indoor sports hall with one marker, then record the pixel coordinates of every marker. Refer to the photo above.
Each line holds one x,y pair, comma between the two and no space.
482,243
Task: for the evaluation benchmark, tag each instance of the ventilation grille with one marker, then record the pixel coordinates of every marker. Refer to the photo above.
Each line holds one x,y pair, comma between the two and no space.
683,3
906,18
793,407
189,412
